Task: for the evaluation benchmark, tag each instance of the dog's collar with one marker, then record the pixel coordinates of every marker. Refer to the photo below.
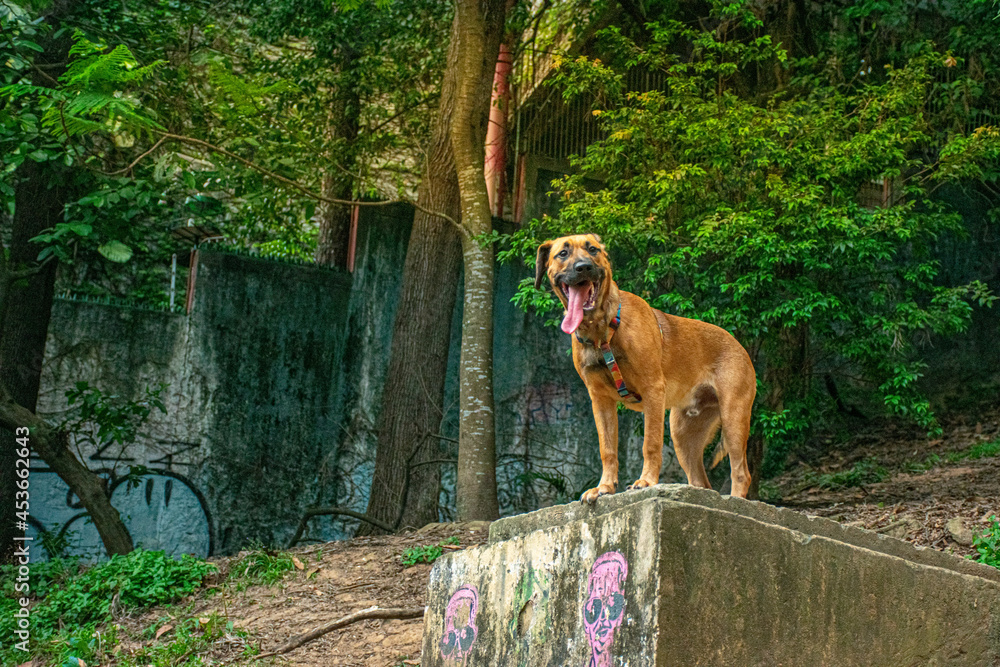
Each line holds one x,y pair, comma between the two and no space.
609,358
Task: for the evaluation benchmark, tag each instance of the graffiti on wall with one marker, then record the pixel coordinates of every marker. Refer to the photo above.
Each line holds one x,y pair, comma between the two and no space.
545,404
163,510
605,606
460,629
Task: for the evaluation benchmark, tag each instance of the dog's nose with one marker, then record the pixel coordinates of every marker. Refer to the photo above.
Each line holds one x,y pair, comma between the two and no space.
583,266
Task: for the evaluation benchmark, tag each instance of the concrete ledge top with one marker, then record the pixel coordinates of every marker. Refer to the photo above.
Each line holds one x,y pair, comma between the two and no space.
520,525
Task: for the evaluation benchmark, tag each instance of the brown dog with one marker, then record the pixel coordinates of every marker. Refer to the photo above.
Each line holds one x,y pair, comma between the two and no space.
696,370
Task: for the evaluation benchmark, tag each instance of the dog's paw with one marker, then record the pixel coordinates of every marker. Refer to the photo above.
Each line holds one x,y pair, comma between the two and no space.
591,496
638,484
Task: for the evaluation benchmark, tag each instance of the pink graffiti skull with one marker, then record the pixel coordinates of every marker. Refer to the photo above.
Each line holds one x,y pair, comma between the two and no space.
605,607
460,629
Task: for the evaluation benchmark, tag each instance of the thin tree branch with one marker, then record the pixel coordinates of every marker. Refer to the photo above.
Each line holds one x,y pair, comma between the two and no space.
363,615
31,61
338,511
138,159
432,461
25,273
426,100
301,188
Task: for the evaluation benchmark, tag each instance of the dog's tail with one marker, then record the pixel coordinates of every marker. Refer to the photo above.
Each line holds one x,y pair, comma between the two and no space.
719,454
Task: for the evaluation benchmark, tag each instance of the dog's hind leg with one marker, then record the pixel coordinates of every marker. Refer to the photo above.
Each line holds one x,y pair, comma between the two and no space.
606,419
735,412
690,435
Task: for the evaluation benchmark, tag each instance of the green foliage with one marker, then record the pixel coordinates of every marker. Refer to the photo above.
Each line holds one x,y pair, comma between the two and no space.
98,420
79,126
987,544
750,213
922,466
74,602
426,553
260,566
182,644
769,493
92,95
980,450
866,471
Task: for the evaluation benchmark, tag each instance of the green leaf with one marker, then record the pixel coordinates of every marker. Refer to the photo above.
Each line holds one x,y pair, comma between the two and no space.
116,251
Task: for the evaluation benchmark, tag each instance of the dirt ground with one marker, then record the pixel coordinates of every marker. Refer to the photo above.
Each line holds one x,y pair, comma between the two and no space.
914,506
336,579
340,578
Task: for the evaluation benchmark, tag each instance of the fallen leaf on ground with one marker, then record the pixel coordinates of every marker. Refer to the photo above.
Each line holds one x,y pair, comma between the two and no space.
297,563
163,630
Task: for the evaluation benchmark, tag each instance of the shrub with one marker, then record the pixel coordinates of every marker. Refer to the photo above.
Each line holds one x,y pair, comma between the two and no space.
987,544
79,599
748,212
425,554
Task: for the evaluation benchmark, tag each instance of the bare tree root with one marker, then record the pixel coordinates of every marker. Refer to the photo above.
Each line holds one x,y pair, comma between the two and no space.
337,511
363,615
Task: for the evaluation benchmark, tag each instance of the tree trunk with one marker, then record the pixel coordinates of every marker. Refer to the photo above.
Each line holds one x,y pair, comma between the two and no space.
53,449
334,221
24,320
412,401
338,182
478,29
24,325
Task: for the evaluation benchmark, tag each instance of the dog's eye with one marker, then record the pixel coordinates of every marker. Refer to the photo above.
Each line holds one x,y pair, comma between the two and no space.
593,250
563,254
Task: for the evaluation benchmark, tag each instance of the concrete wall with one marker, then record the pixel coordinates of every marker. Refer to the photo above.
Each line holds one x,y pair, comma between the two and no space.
673,575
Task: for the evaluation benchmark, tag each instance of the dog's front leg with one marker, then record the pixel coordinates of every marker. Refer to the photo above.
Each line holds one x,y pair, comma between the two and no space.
653,415
606,418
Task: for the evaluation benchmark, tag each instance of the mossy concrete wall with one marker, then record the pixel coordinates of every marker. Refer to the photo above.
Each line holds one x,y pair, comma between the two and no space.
265,377
679,576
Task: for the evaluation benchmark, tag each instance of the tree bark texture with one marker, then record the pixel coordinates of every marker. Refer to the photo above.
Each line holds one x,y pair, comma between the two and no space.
24,321
478,30
338,182
24,324
412,401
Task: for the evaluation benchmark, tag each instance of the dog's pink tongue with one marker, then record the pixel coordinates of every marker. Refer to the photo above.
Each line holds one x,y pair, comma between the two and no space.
574,309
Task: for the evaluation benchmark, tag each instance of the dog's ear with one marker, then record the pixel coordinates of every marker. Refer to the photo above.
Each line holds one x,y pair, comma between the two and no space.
598,239
542,262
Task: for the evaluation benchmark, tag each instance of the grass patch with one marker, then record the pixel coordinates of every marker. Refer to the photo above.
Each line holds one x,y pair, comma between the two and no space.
980,450
769,493
865,471
70,619
425,554
185,641
922,466
987,544
260,567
